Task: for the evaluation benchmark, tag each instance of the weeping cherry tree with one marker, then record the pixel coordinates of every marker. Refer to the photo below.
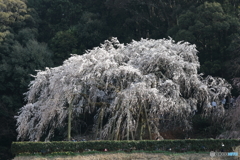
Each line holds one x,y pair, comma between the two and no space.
134,90
231,118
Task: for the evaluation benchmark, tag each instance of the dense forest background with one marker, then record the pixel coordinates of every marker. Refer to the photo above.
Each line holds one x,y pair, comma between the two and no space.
35,34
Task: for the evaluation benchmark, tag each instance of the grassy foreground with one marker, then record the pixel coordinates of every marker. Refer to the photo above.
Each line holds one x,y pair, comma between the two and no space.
127,156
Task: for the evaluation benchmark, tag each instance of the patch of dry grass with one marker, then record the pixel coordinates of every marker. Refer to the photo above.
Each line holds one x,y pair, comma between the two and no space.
130,156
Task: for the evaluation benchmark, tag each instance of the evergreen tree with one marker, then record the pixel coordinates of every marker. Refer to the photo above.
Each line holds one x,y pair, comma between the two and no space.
213,31
20,56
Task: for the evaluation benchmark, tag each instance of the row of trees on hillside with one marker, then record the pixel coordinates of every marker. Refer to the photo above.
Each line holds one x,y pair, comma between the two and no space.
212,25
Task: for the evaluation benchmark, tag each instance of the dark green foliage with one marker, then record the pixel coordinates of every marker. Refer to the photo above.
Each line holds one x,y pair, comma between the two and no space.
212,26
17,63
17,67
206,145
7,134
20,56
26,34
211,29
91,31
56,15
63,44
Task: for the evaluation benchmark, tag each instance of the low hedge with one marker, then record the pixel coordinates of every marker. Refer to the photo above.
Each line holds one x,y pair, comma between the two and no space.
195,145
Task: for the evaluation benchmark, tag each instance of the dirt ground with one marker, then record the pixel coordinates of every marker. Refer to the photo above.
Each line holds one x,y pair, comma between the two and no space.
130,156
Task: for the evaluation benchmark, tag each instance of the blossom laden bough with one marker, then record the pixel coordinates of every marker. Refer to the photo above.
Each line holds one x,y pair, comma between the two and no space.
139,88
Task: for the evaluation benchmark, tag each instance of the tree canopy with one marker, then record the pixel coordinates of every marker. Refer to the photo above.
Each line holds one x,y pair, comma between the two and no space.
137,87
212,30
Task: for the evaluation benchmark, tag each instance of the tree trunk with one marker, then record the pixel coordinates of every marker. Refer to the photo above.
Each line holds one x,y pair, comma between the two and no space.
128,119
101,120
141,131
69,121
138,119
96,130
146,119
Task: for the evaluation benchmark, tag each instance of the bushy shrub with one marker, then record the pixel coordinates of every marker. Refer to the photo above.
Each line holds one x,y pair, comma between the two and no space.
206,145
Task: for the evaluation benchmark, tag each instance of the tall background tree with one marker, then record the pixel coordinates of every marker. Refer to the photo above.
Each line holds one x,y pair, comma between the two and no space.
20,56
213,31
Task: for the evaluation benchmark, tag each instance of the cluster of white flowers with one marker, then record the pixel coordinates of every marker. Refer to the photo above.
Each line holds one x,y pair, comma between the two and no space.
132,84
